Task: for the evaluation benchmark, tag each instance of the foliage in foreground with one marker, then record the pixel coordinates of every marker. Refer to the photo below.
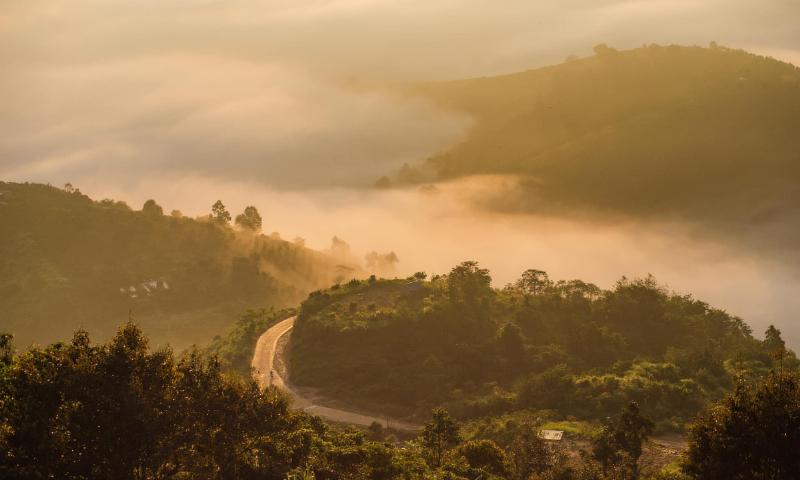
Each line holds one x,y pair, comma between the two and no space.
122,411
119,410
752,433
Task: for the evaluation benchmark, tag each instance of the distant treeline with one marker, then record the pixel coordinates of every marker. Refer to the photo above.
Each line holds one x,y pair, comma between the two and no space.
563,349
67,261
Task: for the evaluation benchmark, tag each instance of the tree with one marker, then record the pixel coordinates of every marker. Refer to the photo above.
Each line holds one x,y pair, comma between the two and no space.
529,454
753,433
485,455
578,289
621,438
773,341
439,436
152,209
467,283
6,348
219,213
250,219
533,282
602,50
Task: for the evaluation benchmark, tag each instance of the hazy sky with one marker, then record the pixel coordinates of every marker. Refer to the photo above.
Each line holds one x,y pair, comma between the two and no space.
281,104
263,90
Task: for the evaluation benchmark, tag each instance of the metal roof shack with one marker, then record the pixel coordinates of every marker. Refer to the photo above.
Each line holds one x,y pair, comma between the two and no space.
551,435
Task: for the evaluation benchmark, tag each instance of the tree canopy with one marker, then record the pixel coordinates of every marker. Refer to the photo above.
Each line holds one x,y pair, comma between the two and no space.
250,219
122,410
219,213
564,347
753,433
152,209
79,410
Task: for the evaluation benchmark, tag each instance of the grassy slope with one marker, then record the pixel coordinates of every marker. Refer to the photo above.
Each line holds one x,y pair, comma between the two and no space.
698,132
64,257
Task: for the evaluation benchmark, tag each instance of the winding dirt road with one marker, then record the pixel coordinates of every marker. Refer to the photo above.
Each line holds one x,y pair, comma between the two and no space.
266,374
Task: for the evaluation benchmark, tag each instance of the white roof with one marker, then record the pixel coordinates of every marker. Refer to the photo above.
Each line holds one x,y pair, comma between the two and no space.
554,435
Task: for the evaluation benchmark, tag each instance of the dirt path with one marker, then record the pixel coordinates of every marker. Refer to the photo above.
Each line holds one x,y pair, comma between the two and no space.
266,373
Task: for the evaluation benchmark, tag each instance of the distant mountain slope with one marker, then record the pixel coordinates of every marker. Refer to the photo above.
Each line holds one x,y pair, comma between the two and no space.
706,133
67,262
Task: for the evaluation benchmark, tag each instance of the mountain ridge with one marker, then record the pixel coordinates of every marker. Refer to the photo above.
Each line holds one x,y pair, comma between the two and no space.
69,262
703,134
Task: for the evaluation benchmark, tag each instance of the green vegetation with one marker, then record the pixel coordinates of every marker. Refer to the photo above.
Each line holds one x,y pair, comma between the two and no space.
621,439
235,350
753,433
67,262
120,410
705,133
554,350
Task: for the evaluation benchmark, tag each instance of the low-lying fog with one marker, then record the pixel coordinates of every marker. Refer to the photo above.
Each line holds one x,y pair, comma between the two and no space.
433,229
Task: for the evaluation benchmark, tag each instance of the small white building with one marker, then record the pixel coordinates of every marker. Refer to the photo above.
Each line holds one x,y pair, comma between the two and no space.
551,435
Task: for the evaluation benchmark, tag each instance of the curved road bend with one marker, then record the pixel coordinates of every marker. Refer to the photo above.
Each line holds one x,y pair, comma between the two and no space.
265,373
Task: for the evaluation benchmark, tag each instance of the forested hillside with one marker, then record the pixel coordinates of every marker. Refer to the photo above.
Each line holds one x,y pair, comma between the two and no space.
67,261
556,350
123,410
707,133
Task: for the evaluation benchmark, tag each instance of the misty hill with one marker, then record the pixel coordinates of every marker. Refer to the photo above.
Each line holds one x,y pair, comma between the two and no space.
702,133
67,261
561,349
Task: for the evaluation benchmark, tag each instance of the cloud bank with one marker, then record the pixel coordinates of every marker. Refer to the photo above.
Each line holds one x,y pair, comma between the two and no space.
221,117
265,90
